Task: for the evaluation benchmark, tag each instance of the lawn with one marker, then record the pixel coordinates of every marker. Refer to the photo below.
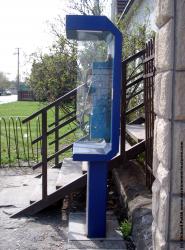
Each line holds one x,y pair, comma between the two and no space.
15,137
20,108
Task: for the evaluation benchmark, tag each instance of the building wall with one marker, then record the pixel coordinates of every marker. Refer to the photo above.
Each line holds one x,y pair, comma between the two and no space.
168,205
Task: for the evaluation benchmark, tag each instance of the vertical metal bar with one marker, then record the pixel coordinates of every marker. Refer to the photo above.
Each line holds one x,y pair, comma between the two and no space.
22,137
56,135
44,154
37,134
17,142
0,144
123,110
146,112
27,140
15,139
9,151
30,132
6,135
149,111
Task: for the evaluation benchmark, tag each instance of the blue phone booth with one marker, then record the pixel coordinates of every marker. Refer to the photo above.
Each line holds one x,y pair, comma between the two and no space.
99,62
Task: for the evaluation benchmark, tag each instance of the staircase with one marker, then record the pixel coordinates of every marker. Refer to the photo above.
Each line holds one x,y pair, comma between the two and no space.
65,175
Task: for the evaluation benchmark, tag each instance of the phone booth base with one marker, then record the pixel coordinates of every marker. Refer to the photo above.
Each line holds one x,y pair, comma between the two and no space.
96,199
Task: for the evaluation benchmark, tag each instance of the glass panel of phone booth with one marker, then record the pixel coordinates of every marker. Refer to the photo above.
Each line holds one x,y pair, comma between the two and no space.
94,100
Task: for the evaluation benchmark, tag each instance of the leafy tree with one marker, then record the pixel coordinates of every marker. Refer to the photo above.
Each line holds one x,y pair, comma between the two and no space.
87,7
135,36
54,74
4,82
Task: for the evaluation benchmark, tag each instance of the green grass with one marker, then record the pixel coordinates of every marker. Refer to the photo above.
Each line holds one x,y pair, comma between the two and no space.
15,137
20,108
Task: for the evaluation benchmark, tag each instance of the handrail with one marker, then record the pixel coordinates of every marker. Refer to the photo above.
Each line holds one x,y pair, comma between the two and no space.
52,104
135,108
134,82
133,57
54,155
55,129
135,94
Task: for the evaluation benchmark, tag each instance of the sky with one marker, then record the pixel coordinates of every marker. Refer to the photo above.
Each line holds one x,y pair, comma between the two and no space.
23,24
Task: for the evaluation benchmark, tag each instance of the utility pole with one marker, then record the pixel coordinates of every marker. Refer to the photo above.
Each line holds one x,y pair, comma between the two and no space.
18,65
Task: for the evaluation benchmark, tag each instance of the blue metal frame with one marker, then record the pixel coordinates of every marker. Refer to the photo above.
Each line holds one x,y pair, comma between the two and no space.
98,163
75,23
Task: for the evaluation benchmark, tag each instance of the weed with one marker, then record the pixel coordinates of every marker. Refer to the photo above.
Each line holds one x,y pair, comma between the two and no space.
126,228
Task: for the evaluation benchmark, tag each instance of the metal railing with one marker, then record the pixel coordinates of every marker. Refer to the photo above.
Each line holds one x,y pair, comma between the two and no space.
149,74
132,94
58,133
137,104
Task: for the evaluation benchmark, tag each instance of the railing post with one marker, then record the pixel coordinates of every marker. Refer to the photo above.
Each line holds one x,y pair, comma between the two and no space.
44,154
56,134
123,109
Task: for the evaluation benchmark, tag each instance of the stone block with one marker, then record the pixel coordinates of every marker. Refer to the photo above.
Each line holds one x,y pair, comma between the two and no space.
163,176
155,158
163,142
163,94
177,219
155,198
180,35
164,47
179,103
163,12
159,243
178,170
160,209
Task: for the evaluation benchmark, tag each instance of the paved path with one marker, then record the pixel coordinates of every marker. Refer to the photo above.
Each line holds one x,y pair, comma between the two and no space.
47,230
8,98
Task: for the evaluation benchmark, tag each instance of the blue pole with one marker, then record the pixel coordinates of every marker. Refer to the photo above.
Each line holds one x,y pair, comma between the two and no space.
96,199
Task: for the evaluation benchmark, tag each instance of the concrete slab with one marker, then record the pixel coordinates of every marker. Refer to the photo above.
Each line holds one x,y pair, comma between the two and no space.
45,231
77,234
51,180
70,171
136,131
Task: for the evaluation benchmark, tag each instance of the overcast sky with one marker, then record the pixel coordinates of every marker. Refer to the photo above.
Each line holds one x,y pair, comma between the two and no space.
23,24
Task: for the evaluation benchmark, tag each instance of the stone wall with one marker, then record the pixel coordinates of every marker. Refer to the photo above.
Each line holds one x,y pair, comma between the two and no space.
168,209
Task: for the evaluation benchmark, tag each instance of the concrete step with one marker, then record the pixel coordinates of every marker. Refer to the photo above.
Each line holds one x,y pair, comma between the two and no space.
51,183
70,171
136,132
77,238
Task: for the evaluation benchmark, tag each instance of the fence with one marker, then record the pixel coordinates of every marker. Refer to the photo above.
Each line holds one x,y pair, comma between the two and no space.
25,95
149,73
21,143
132,95
137,103
15,142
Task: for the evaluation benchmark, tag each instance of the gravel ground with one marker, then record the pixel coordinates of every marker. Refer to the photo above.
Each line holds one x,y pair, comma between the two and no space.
47,230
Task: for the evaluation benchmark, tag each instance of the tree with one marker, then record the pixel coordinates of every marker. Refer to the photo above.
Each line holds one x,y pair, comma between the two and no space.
4,82
87,7
54,74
